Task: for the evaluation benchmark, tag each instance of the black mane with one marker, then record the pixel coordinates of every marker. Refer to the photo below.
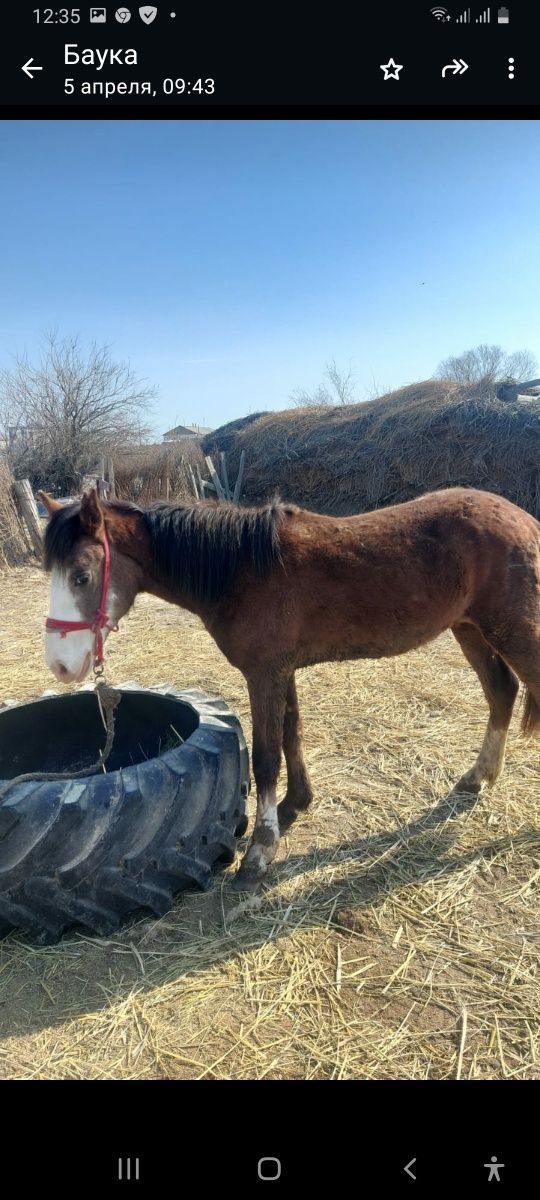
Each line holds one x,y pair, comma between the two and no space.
198,548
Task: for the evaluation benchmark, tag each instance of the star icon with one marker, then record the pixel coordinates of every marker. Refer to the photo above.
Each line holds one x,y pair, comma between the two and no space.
391,69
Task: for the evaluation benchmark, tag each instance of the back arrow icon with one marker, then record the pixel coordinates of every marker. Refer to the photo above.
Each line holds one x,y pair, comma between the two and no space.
408,1170
457,67
28,68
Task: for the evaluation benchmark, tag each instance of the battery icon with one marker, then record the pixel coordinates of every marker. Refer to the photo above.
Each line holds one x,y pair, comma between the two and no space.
503,16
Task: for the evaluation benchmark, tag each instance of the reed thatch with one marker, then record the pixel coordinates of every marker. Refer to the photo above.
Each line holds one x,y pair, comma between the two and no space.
354,458
13,544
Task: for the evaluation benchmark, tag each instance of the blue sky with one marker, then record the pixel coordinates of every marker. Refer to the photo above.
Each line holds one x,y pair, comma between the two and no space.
229,261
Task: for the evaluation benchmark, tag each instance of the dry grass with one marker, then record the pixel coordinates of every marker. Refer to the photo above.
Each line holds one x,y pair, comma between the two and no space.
158,472
356,457
399,936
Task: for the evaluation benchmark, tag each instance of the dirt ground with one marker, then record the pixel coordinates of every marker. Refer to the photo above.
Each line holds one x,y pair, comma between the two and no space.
398,936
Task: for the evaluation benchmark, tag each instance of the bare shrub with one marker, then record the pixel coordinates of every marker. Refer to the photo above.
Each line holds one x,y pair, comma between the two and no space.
67,409
486,364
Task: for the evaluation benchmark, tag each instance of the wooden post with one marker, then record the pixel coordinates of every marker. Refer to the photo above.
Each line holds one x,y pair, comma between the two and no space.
224,476
112,482
239,478
25,497
20,520
199,480
215,478
193,484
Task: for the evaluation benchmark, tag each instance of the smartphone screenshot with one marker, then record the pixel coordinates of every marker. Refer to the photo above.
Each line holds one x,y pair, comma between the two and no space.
270,597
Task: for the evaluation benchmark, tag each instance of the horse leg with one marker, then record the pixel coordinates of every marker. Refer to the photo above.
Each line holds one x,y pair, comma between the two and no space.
299,792
520,649
500,688
268,699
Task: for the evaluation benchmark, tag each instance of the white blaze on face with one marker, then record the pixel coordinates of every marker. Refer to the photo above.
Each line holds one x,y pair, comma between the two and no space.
69,657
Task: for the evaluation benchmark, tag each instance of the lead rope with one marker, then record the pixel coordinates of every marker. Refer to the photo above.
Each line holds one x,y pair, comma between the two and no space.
108,699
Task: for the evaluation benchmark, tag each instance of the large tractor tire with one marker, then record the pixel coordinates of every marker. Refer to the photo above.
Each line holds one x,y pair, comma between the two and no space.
89,851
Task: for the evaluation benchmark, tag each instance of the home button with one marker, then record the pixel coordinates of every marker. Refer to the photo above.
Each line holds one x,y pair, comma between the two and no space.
269,1168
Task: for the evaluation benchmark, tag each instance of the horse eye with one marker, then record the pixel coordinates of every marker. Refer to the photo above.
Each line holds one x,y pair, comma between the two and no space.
82,578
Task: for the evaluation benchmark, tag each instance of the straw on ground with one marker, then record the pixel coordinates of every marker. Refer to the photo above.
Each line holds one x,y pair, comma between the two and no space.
399,936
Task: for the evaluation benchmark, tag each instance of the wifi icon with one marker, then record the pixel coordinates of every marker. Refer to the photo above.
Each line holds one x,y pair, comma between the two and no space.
440,14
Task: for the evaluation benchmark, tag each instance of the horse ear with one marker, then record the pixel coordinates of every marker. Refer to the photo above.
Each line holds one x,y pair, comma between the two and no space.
91,514
51,505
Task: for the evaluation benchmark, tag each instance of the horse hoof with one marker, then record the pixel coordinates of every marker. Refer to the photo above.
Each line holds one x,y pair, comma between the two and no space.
467,786
247,879
287,815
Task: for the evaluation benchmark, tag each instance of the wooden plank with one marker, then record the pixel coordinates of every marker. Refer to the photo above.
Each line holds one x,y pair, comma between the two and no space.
112,481
167,479
214,477
192,479
25,497
20,520
224,475
239,478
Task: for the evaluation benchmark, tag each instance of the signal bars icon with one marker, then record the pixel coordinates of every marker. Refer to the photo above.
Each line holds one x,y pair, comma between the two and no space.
442,14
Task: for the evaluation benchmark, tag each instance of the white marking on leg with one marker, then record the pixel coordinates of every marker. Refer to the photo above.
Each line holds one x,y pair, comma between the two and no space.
255,858
490,761
491,758
265,840
267,810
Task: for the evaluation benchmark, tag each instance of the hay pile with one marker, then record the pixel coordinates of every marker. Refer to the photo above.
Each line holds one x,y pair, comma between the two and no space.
13,545
362,456
227,434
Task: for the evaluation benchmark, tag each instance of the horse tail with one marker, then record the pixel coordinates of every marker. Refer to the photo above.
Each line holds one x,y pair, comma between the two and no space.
530,721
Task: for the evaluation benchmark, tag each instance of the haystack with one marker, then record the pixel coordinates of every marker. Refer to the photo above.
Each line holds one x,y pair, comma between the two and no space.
228,433
13,544
423,437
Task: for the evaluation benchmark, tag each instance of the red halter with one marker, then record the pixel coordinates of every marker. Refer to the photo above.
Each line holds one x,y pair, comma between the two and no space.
101,620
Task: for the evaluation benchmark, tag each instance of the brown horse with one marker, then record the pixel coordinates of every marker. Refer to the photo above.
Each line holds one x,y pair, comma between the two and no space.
280,588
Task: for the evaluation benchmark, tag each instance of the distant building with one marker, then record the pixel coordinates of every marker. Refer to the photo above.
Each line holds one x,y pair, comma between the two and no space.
24,436
185,431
